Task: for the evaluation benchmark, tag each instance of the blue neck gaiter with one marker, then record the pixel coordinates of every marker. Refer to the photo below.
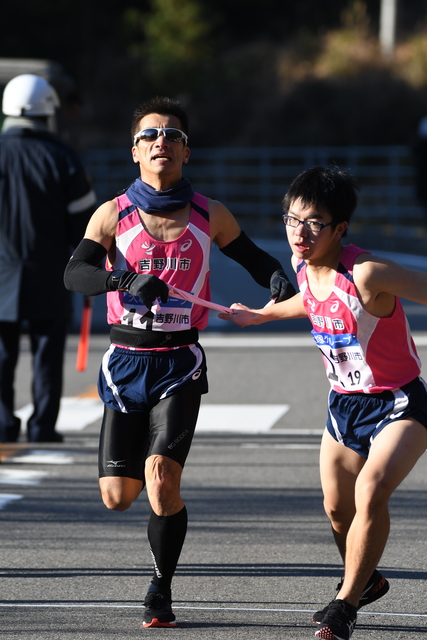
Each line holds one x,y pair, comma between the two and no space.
151,201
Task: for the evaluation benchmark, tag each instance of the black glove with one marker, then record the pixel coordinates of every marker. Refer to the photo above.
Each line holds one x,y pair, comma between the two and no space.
144,286
280,287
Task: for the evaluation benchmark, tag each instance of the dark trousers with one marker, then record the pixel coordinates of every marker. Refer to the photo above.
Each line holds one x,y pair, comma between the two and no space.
47,340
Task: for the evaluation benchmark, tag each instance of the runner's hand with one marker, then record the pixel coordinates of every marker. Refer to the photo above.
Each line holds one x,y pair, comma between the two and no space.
242,315
148,288
280,287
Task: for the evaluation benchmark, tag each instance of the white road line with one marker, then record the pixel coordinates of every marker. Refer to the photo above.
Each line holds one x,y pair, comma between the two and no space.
296,432
255,445
78,413
140,606
225,341
239,418
21,476
40,456
74,415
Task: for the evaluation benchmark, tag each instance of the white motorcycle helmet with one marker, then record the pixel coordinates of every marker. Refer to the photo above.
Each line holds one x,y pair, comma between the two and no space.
29,95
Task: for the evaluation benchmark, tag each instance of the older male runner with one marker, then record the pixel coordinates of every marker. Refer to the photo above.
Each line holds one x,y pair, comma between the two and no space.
157,233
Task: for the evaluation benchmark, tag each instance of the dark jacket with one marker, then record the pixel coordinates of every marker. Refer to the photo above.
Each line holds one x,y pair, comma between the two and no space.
45,203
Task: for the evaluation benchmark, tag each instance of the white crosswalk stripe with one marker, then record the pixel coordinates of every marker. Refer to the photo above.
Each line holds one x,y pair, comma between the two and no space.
240,418
75,414
21,476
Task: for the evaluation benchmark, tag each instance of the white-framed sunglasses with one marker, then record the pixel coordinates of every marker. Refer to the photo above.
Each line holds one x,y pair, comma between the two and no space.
151,134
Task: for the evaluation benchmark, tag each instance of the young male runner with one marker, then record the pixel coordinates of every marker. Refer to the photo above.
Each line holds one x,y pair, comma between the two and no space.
157,233
377,421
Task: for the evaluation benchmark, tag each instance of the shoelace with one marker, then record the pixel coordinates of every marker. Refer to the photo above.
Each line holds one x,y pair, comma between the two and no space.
336,610
155,599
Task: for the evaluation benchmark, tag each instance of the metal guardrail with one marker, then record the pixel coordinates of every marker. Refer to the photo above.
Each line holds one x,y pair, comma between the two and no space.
251,182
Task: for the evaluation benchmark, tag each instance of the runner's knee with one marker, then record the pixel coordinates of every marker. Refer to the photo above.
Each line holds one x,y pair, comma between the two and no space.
163,476
117,494
339,514
372,494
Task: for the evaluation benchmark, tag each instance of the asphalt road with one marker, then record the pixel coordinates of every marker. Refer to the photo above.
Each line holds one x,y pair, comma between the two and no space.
259,556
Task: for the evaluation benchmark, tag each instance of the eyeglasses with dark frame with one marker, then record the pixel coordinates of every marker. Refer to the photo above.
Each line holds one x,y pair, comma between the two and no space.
310,225
152,133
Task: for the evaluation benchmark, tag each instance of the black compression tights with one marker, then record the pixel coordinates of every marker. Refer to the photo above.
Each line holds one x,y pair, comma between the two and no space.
166,535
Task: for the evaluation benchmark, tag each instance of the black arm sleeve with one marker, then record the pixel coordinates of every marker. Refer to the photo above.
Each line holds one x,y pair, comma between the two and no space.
84,275
83,272
260,264
264,268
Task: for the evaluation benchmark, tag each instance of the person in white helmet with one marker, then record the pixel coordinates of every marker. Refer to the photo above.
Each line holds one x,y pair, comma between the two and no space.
46,201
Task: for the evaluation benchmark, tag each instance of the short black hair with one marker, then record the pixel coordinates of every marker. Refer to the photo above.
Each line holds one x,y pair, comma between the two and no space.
163,106
328,188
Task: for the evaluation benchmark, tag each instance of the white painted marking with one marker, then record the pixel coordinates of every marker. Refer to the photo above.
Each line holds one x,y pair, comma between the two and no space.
298,432
139,606
254,445
21,476
239,418
219,341
5,498
256,341
74,415
40,456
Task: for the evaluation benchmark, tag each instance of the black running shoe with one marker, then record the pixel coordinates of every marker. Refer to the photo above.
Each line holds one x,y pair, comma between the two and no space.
339,621
158,611
376,588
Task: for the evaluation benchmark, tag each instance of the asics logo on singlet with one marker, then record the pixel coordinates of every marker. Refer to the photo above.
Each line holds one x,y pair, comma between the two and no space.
148,247
197,374
115,463
335,306
186,245
311,303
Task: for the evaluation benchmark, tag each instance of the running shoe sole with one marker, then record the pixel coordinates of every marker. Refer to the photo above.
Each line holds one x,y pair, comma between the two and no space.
155,623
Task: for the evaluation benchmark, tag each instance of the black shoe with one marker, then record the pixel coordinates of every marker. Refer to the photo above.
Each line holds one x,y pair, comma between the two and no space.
376,588
11,433
158,611
53,437
339,621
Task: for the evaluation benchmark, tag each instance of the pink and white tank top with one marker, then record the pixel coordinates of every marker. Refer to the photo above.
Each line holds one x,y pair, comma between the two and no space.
361,353
182,263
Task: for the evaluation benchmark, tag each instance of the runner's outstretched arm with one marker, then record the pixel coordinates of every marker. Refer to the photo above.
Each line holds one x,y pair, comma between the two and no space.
244,316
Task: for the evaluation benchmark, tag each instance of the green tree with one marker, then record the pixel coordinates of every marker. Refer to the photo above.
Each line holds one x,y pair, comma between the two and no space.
175,44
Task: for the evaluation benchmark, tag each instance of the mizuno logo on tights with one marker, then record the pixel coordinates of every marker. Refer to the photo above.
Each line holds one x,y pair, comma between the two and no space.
115,463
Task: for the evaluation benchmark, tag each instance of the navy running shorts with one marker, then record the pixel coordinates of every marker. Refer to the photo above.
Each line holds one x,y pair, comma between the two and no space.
132,380
355,419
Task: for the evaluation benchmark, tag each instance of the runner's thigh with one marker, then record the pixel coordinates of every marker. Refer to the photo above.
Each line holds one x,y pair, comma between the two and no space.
173,421
123,444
